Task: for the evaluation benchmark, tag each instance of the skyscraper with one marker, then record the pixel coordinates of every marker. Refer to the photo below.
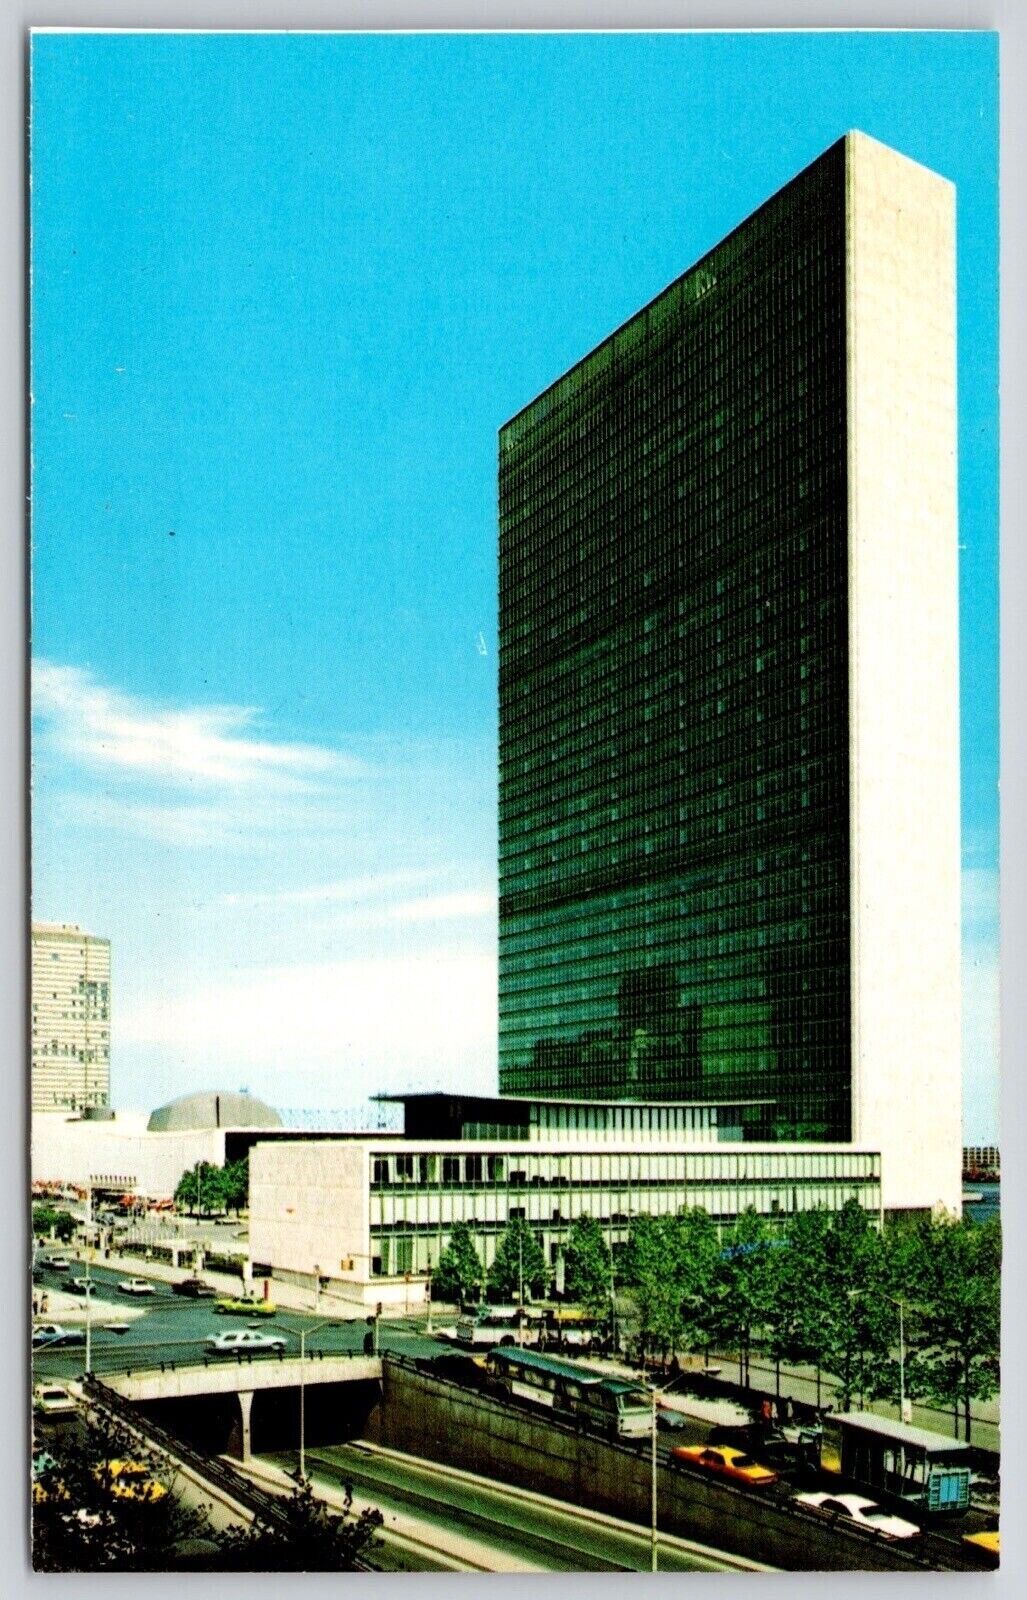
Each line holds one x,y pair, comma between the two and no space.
729,786
71,1030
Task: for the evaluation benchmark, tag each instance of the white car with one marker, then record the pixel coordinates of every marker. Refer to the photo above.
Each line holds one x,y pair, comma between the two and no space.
243,1340
863,1513
56,1263
51,1399
136,1286
86,1286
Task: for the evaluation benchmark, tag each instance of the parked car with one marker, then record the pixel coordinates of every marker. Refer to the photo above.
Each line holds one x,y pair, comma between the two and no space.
246,1305
86,1286
195,1288
725,1462
768,1444
243,1341
53,1399
863,1513
47,1335
136,1286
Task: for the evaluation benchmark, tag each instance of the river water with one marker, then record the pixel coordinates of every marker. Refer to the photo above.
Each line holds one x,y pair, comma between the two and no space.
988,1205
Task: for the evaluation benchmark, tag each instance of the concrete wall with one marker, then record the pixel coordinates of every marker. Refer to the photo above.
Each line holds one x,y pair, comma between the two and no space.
904,673
441,1422
309,1207
66,1151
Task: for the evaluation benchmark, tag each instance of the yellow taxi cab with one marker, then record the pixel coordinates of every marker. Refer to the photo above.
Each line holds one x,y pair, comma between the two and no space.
985,1544
246,1305
129,1480
725,1461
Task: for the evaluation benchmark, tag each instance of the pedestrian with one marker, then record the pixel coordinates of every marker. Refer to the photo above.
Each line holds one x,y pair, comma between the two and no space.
789,1409
765,1411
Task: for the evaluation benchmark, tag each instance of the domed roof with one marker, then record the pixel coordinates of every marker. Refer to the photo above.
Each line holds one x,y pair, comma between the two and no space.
213,1108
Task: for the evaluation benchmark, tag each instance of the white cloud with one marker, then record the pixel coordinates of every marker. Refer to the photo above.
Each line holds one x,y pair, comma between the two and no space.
211,745
345,1026
370,886
462,903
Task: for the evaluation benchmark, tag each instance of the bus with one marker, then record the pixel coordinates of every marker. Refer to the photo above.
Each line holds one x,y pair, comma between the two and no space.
612,1406
497,1325
910,1466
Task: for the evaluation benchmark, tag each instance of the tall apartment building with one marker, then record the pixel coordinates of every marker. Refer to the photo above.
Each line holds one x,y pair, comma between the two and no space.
729,779
71,1030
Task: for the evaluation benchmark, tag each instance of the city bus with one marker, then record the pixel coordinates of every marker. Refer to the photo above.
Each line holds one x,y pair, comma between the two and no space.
490,1326
613,1406
910,1466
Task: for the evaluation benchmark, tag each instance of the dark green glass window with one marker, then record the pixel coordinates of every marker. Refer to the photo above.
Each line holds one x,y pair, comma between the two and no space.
674,849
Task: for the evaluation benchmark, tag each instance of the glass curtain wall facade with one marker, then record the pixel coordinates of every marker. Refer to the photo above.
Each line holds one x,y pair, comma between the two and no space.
673,679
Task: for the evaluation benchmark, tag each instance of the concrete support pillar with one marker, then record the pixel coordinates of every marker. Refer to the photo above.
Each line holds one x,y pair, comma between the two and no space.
239,1445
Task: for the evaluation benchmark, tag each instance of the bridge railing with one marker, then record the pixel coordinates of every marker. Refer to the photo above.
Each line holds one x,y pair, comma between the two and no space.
270,1508
173,1355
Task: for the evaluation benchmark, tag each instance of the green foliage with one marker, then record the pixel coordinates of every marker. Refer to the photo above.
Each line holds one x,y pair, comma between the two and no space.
953,1324
519,1261
860,1315
79,1525
308,1537
798,1315
206,1187
45,1217
668,1266
743,1284
588,1267
235,1184
459,1273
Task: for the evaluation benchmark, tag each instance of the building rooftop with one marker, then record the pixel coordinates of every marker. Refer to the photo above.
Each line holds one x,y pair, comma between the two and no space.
213,1108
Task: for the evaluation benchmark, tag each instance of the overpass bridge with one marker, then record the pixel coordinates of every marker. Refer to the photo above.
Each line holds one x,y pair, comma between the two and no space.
178,1385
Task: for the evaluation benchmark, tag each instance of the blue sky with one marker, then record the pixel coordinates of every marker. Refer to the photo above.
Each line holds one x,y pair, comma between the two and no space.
285,290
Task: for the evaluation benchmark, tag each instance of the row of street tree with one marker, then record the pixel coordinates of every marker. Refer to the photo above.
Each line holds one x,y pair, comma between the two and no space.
833,1294
207,1188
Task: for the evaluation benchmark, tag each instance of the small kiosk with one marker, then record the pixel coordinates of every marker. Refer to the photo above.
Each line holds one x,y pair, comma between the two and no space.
915,1468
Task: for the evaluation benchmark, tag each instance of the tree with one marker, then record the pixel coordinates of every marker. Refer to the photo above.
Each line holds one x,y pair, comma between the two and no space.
46,1218
588,1266
201,1188
235,1184
798,1315
743,1284
696,1253
305,1536
955,1328
519,1262
80,1525
459,1274
647,1270
860,1316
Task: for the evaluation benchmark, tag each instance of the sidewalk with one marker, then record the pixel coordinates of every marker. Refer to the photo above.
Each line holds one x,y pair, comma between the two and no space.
289,1296
800,1383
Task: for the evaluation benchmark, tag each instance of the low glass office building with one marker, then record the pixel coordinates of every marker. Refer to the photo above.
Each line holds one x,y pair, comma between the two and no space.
369,1216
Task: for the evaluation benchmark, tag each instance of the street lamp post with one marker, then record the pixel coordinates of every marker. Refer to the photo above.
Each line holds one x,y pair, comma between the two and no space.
301,1335
428,1327
89,1296
653,1554
520,1288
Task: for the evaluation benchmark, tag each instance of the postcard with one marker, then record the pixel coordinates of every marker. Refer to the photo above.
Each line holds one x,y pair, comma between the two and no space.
514,932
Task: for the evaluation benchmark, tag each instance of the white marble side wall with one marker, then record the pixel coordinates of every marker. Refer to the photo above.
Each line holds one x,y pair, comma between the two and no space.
904,672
